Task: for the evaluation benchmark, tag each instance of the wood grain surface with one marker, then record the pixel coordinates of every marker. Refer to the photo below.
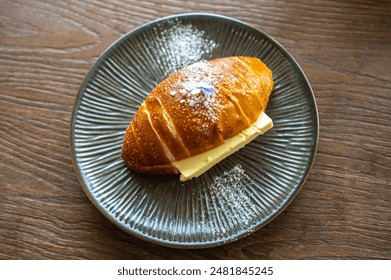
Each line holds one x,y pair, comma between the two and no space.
342,212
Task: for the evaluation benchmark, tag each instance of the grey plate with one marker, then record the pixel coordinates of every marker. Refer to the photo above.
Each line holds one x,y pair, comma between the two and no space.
237,196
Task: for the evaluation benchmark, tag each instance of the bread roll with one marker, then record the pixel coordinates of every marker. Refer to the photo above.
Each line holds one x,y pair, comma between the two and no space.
195,110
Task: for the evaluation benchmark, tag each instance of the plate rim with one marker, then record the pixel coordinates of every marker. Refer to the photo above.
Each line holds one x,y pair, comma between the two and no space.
190,245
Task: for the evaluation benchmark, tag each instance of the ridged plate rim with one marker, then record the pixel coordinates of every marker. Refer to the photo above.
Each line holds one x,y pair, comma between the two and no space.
177,244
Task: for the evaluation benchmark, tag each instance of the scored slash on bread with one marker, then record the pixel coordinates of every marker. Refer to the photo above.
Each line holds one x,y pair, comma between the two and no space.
195,110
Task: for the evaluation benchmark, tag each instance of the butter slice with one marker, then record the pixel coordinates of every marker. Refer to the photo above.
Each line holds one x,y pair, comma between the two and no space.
196,165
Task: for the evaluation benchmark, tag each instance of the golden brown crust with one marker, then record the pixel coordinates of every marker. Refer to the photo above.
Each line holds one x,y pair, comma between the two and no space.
181,117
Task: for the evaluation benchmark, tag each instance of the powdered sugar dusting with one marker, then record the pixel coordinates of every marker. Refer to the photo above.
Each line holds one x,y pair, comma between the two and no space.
228,193
198,88
182,45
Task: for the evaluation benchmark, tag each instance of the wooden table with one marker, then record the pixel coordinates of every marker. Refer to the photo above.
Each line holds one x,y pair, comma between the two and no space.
342,212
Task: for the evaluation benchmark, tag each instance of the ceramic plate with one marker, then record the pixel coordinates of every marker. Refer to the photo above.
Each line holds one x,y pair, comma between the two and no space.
234,198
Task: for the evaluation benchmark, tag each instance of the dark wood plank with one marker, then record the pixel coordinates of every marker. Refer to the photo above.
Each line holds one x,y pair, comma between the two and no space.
343,210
